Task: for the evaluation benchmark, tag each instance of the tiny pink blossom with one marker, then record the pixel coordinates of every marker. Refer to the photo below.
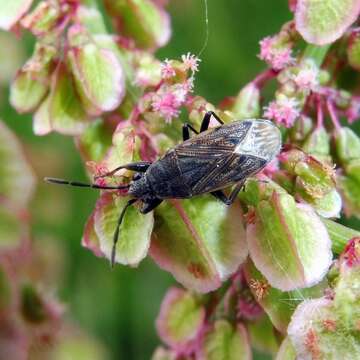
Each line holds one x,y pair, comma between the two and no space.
306,79
281,59
266,45
167,71
277,57
283,112
188,85
191,62
167,105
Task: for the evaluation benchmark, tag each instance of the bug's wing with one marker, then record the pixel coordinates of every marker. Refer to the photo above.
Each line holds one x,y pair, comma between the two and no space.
205,176
222,156
215,142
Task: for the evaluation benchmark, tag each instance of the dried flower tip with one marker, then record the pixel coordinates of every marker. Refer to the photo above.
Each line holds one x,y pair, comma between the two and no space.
191,62
260,288
283,111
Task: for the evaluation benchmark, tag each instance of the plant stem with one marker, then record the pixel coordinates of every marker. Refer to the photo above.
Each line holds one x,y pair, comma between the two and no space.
316,53
339,235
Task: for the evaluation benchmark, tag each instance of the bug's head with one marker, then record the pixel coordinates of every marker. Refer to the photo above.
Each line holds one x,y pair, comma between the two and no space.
139,186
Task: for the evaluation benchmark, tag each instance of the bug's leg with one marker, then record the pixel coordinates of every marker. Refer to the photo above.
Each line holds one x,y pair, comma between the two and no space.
151,205
220,196
117,229
228,200
140,166
206,121
186,131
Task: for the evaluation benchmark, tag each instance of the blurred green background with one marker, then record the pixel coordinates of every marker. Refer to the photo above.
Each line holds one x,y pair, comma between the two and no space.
119,306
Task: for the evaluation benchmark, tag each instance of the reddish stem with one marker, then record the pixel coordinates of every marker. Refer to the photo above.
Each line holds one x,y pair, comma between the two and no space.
333,115
264,77
320,113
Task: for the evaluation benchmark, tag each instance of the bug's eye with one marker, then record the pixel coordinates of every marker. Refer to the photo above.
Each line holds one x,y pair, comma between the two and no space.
136,176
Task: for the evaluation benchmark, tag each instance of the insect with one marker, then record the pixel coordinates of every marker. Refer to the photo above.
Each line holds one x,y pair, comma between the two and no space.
208,162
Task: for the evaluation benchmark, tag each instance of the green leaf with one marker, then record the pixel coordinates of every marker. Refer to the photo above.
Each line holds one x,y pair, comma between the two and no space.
347,145
322,22
279,305
90,239
75,345
226,342
12,229
247,103
286,351
63,109
95,141
288,243
99,77
92,19
12,11
200,241
353,50
135,230
262,335
339,234
318,330
180,319
350,191
17,180
147,23
26,92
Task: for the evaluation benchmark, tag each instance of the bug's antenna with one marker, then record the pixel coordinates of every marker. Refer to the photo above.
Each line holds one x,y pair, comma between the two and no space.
116,233
80,184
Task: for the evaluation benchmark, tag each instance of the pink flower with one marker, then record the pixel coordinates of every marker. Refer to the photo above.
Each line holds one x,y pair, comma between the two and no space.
167,71
307,78
167,105
191,62
277,56
283,111
266,50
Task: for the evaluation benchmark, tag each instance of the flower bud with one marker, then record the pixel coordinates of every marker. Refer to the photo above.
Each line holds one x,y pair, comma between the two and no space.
301,128
347,145
315,177
181,318
350,190
98,74
32,82
225,341
318,144
353,49
146,23
247,103
48,16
